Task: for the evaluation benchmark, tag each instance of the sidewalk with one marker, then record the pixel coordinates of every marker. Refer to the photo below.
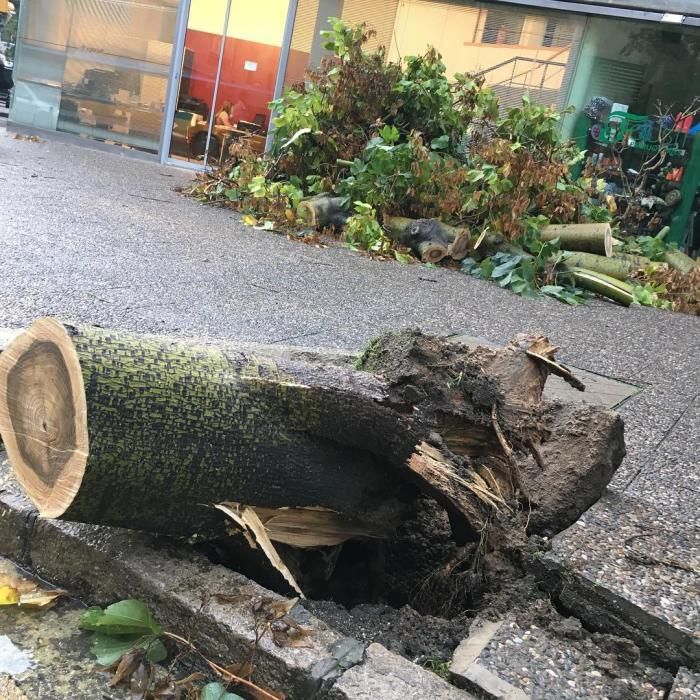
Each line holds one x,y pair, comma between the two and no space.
99,238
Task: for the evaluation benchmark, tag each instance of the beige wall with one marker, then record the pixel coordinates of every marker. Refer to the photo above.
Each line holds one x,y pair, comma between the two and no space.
456,31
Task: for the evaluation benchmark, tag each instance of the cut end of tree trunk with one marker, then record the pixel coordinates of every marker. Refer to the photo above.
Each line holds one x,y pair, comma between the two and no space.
432,252
459,248
43,415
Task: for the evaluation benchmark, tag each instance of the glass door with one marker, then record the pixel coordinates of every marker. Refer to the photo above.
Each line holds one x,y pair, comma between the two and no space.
201,57
230,60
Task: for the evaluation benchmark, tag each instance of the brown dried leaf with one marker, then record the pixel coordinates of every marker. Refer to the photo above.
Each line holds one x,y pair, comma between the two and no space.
40,599
282,639
126,666
273,610
141,680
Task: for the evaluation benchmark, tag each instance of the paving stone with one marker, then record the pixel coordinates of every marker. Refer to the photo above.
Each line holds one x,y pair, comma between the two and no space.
529,661
390,677
630,566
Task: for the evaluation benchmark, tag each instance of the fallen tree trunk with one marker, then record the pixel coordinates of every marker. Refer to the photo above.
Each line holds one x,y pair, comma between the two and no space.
429,239
680,261
323,211
150,433
604,285
613,267
586,238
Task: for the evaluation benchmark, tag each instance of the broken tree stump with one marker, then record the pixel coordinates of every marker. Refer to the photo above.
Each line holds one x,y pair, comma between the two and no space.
151,433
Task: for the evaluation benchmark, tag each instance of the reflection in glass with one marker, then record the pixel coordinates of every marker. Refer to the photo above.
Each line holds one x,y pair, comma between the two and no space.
96,67
236,106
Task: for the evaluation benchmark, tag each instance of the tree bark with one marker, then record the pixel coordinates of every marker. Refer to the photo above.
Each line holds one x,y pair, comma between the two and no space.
613,267
323,211
150,433
587,238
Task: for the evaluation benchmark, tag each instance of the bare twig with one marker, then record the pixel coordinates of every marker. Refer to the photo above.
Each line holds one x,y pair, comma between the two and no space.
220,670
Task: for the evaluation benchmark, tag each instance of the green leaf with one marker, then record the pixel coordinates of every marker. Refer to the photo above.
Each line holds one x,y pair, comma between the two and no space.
440,143
89,619
108,649
216,691
127,617
506,267
404,258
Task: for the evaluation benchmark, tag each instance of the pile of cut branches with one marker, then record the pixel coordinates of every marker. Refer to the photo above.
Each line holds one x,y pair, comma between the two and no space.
403,162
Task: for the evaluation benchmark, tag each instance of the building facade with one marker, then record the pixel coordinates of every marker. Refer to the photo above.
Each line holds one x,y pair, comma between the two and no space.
153,75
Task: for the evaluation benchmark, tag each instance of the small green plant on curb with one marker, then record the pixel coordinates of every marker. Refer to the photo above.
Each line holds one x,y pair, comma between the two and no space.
363,232
127,640
121,628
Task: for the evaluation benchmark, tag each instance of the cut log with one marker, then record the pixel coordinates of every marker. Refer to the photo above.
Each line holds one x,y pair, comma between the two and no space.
680,261
151,433
619,268
586,238
637,262
323,211
429,239
605,286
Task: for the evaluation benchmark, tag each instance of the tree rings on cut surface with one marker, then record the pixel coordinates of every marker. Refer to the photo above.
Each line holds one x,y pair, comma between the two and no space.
43,415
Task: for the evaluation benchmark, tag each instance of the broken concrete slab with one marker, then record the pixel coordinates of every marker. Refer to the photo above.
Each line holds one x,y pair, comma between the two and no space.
386,676
543,656
629,566
686,685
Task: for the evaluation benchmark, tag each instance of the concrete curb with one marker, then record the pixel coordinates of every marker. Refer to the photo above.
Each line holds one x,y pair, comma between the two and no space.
105,564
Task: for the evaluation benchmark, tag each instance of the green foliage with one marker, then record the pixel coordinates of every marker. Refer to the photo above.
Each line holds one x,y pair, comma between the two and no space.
528,274
216,691
648,246
650,294
441,109
122,627
440,667
363,232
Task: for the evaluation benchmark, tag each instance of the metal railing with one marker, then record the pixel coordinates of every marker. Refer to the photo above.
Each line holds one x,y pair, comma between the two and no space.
542,63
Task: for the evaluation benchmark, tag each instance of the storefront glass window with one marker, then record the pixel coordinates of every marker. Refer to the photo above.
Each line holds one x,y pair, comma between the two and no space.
97,68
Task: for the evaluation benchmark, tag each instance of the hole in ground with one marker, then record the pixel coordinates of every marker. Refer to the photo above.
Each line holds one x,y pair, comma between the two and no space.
415,593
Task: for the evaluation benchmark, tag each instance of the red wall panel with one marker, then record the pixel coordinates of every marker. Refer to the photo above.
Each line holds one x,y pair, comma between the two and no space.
248,91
